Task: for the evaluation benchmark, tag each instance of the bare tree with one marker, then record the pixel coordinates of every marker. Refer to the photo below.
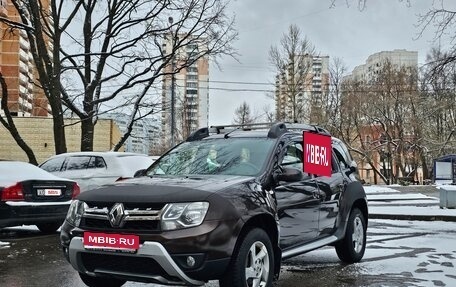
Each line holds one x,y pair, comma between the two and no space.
439,98
8,123
242,115
292,61
380,120
332,102
93,56
268,114
443,21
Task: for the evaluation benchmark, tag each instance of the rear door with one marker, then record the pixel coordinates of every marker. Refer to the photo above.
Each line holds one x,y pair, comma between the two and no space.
331,189
298,202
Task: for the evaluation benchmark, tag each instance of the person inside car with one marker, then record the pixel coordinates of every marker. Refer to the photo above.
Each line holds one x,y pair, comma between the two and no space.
211,160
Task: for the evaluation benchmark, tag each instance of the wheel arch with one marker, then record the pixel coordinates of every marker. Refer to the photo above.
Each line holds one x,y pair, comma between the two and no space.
361,204
267,223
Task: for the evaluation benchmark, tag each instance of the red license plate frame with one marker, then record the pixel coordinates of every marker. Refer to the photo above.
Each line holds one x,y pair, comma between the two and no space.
111,241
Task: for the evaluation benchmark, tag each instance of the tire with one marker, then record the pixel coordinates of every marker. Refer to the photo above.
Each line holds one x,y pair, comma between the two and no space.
49,227
247,269
101,282
351,248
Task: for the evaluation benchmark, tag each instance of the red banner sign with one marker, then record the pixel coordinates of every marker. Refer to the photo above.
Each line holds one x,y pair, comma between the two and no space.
317,154
111,241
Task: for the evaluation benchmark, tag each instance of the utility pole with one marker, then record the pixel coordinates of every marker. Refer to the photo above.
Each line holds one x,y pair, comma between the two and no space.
173,80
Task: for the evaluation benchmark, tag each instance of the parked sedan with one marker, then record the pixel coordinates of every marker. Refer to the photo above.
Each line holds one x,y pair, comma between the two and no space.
32,196
93,169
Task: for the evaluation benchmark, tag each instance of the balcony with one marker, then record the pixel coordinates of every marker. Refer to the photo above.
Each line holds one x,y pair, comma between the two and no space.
24,44
23,80
23,55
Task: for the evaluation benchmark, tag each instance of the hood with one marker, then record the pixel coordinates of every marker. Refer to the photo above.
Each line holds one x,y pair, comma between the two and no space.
161,189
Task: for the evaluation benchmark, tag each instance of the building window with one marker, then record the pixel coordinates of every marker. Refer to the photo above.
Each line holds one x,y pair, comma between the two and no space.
192,85
192,69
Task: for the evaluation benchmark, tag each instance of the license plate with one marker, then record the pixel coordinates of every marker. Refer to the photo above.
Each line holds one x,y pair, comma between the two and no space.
49,192
111,242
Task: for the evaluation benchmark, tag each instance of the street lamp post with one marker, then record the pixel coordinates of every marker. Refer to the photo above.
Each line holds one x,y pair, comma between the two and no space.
173,80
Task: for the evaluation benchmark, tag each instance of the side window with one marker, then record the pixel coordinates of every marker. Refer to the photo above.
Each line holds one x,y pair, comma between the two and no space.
293,156
342,154
334,162
77,162
96,162
53,165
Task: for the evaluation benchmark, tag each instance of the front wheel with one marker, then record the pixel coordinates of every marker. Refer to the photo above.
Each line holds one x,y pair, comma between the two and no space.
351,248
252,264
100,282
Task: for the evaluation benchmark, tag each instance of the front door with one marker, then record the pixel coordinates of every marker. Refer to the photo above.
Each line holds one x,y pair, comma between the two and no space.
298,202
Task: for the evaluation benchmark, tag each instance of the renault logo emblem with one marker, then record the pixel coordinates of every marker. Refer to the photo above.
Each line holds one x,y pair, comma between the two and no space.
116,215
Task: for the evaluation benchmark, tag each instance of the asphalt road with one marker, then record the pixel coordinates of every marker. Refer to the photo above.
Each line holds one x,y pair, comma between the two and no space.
399,253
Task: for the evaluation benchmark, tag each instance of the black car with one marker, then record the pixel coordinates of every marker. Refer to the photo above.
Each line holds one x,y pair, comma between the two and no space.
32,196
226,204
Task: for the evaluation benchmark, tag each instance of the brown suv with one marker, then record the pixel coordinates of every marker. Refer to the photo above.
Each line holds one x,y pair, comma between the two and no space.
226,204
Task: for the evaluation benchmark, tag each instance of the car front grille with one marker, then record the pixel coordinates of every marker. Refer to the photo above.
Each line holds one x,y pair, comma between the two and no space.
136,218
104,224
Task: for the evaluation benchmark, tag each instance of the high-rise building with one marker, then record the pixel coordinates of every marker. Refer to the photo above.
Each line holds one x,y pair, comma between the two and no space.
25,98
190,88
145,133
300,89
397,58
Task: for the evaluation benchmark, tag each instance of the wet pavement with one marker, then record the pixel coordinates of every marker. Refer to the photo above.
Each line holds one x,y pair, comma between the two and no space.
399,253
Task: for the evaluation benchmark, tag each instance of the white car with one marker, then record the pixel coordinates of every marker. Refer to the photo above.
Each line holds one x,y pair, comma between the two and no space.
93,169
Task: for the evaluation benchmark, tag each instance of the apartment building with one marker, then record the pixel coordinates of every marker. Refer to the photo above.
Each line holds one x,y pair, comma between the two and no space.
190,88
373,136
300,89
374,63
145,134
16,65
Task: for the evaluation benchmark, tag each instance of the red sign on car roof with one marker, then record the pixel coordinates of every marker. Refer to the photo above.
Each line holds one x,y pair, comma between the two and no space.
317,154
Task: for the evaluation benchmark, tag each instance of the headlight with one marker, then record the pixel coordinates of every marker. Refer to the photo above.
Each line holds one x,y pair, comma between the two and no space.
183,215
75,212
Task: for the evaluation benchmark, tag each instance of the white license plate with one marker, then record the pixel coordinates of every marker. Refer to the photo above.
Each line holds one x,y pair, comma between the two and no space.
49,192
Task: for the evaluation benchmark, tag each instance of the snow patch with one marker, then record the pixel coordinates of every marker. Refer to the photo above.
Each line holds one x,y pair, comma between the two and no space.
372,189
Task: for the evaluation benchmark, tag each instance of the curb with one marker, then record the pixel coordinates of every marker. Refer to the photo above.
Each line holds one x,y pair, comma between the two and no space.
449,218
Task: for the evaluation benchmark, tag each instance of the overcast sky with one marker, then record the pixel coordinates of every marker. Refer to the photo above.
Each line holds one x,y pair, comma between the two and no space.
343,32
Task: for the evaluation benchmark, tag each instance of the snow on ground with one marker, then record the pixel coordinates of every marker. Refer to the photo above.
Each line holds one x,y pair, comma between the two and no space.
4,244
425,202
22,227
412,210
428,255
396,196
372,189
398,253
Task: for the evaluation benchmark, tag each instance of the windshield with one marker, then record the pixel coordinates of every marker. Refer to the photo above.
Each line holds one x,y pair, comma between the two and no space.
233,156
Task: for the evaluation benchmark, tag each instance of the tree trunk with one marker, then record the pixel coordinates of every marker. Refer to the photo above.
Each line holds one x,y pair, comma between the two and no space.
10,126
59,134
87,132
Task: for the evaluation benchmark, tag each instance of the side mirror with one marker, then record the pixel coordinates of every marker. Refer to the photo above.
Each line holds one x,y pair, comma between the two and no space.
352,169
290,174
139,173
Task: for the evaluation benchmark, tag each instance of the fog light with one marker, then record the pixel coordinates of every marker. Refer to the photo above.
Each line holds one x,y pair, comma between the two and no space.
191,261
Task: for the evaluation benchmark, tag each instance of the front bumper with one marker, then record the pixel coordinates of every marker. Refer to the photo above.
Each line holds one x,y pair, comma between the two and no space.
13,213
151,263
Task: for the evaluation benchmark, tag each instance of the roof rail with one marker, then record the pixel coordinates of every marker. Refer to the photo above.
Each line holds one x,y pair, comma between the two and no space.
275,129
299,126
245,127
